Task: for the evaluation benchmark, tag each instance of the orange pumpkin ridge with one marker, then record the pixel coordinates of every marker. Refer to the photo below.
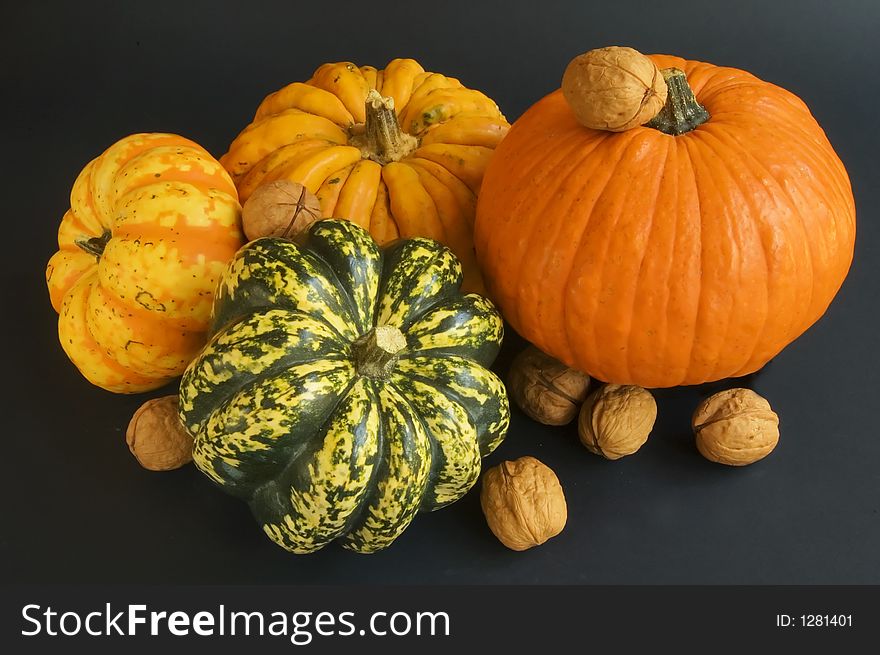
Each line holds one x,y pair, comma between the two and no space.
372,129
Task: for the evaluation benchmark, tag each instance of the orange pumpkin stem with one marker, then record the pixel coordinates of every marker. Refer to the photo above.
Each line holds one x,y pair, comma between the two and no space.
681,113
383,141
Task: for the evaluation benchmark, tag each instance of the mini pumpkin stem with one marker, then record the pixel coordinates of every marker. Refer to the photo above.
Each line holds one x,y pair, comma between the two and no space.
95,246
376,351
681,113
383,141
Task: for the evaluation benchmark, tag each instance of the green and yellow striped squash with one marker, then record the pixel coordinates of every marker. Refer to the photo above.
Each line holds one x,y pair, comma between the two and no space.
345,386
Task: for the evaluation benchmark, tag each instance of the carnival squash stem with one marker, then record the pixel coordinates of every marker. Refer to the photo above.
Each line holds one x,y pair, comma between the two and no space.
376,351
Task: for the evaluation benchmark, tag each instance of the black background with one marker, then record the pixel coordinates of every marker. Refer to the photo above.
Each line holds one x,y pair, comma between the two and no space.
75,77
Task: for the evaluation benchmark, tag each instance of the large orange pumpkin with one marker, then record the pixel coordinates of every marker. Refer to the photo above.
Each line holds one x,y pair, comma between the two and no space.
152,223
400,151
641,257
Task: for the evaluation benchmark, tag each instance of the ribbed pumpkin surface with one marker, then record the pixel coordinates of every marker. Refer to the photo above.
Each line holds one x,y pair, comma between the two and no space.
152,223
288,415
307,132
644,258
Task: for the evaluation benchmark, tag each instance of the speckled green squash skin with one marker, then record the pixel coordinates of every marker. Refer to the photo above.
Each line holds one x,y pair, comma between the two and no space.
283,418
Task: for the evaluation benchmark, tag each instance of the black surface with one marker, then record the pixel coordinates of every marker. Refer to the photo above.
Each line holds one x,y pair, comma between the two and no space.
77,507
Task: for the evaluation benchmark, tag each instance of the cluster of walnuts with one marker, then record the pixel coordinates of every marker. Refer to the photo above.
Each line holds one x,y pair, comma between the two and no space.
523,500
613,421
734,427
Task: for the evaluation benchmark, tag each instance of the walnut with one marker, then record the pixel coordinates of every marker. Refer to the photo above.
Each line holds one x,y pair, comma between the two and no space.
616,420
545,389
613,88
523,503
280,209
157,438
735,427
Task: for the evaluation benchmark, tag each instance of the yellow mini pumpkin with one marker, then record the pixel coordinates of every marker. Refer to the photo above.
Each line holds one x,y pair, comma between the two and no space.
400,151
151,225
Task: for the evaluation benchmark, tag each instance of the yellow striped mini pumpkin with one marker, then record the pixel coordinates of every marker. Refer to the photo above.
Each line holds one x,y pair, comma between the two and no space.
152,223
345,386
